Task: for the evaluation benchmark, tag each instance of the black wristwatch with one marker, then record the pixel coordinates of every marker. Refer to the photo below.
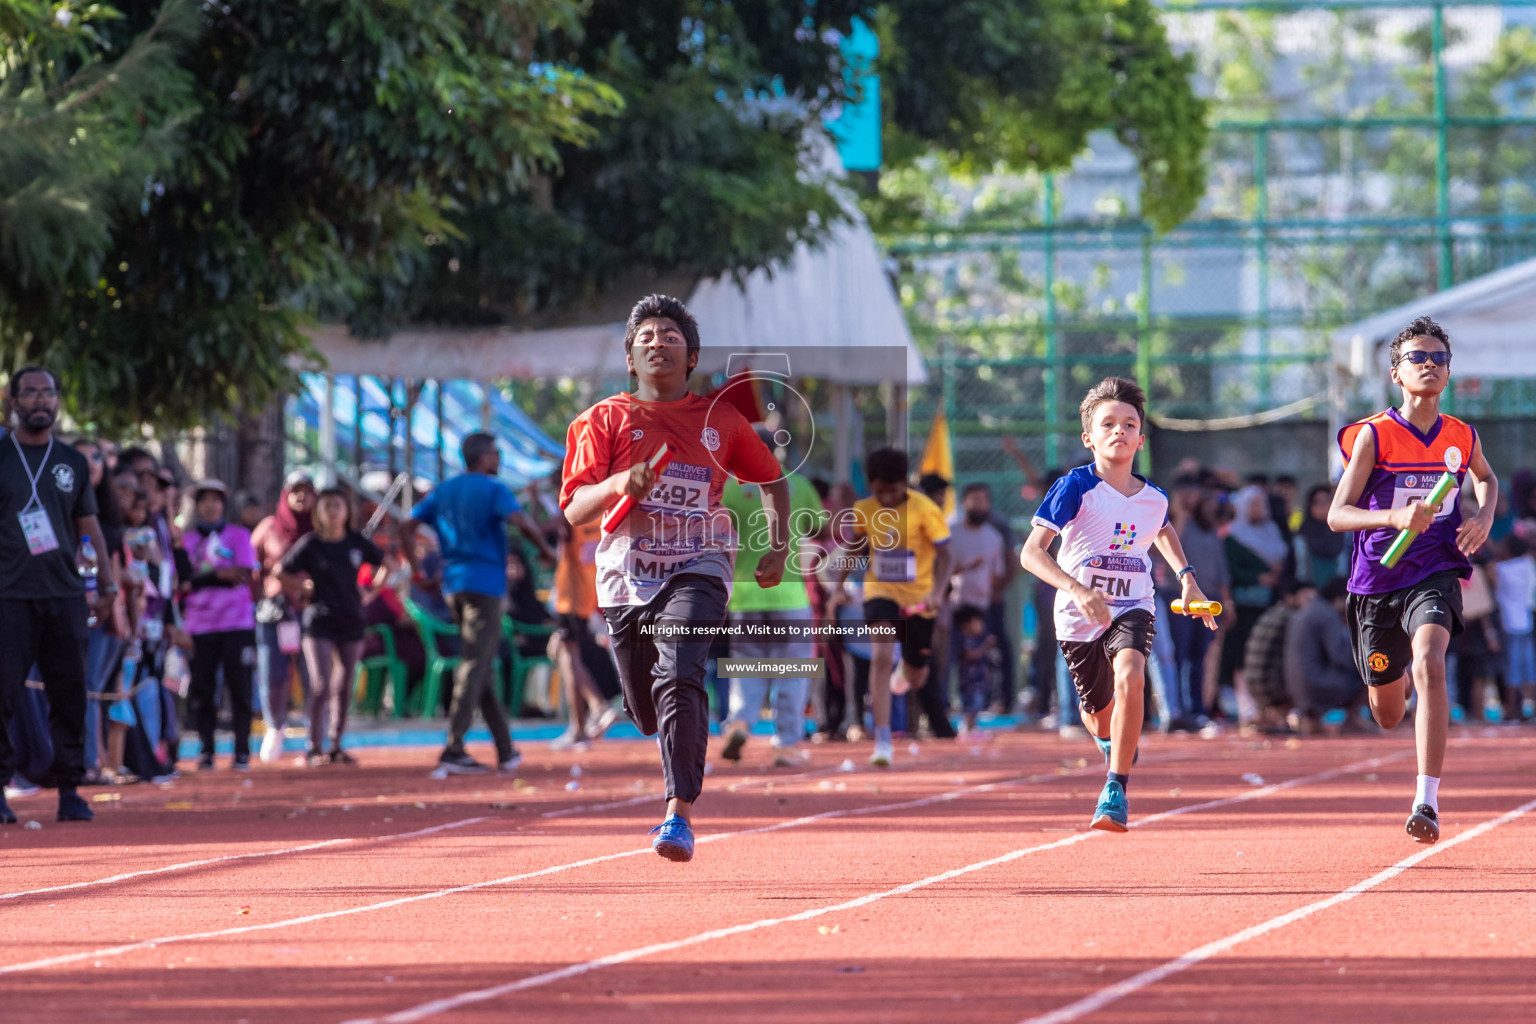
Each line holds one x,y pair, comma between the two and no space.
1188,570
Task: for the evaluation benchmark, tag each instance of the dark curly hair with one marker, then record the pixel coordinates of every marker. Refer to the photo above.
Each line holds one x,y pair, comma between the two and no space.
662,306
1423,327
886,466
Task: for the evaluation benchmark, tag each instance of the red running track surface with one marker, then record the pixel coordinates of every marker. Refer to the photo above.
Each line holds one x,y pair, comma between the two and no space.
962,885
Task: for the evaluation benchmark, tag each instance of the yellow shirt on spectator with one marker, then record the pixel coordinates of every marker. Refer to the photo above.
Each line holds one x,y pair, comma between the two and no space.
902,542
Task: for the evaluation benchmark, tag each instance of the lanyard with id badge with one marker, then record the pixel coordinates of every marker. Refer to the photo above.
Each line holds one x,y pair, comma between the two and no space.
35,524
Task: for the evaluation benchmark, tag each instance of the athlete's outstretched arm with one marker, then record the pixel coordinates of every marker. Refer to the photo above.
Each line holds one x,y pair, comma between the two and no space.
1036,558
1485,486
1344,516
943,568
531,530
842,561
591,500
770,568
1172,550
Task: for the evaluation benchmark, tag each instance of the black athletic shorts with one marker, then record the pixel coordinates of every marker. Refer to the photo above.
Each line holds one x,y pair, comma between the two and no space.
569,626
577,629
1092,662
916,630
1382,625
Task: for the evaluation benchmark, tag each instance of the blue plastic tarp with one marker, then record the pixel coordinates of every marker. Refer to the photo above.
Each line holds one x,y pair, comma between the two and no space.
527,453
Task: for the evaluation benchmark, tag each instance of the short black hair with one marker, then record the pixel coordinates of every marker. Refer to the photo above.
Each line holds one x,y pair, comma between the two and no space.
1291,585
1114,389
15,382
334,492
128,456
1422,327
1258,479
476,446
966,612
932,483
1281,480
886,466
977,485
654,307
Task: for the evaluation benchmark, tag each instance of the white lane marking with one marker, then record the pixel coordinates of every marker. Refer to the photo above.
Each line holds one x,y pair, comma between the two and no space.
437,1006
1151,976
651,798
186,865
67,958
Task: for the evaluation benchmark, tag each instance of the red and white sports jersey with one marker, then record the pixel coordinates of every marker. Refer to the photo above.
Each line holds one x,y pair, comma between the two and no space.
680,526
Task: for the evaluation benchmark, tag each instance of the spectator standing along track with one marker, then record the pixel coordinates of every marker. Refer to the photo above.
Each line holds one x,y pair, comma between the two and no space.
46,506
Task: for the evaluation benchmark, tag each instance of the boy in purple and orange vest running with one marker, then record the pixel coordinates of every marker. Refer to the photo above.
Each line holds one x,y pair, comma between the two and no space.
1402,618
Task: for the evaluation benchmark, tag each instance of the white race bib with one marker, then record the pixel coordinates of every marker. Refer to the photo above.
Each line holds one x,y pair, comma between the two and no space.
681,488
1416,487
1122,579
38,529
896,566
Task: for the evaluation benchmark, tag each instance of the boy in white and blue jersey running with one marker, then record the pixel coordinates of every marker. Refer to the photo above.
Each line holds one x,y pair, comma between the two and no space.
1109,519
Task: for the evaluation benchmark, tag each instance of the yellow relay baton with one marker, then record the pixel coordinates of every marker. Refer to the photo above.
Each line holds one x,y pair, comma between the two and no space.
1196,608
1443,488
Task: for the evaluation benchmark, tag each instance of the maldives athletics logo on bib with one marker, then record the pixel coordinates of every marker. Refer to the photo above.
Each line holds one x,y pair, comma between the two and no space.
1125,536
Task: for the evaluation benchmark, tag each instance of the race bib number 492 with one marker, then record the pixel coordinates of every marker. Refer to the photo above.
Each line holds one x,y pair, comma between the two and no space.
681,488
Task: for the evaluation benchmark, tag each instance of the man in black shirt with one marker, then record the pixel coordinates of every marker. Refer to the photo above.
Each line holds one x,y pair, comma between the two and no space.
46,506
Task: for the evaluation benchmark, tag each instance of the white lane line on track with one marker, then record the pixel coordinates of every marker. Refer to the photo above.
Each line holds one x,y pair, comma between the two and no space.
651,798
1151,976
437,1006
186,865
67,958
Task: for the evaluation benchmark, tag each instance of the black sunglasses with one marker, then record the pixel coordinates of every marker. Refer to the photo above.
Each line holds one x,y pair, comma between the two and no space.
1418,357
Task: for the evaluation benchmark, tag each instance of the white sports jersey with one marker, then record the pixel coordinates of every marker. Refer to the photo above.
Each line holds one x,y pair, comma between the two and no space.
1106,543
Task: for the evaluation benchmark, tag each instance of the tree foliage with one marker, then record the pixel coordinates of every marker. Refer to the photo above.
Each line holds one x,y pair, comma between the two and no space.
705,169
1025,83
321,148
466,160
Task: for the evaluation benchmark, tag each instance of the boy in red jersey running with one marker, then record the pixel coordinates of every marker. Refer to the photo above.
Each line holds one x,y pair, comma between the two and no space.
664,573
1402,618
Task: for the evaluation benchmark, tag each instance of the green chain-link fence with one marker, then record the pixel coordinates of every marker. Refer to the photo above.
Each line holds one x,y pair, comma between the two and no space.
1362,155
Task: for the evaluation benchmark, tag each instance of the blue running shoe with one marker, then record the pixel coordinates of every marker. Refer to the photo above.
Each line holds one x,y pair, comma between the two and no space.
1104,749
1112,812
674,839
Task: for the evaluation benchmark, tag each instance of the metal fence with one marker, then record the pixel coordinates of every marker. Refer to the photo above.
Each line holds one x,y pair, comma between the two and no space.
1362,154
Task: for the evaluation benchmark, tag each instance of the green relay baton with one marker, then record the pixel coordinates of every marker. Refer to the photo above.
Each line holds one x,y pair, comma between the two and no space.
1443,488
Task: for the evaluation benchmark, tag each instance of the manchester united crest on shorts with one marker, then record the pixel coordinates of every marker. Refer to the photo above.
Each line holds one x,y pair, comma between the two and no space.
1377,661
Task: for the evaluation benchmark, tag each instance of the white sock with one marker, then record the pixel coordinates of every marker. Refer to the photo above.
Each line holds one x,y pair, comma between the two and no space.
1428,792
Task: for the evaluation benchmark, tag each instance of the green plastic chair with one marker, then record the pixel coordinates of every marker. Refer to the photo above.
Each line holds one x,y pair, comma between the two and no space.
379,671
430,695
439,665
517,672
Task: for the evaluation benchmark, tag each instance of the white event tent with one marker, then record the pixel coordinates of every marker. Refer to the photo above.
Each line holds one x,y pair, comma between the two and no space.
1491,321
